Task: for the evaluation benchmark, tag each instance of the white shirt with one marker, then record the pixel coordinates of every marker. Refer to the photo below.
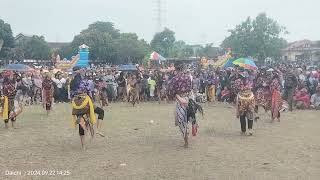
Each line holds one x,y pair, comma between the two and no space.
58,82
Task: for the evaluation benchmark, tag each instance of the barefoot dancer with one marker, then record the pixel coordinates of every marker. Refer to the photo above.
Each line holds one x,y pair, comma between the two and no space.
9,93
82,108
181,86
47,92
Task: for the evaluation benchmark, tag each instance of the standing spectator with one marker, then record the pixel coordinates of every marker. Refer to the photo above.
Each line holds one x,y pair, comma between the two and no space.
121,86
59,84
315,100
290,85
152,87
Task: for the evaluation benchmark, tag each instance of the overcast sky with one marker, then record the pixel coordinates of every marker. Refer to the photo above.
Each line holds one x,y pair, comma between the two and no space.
194,21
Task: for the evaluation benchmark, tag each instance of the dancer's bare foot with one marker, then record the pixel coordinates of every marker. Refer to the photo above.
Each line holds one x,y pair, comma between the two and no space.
278,120
100,133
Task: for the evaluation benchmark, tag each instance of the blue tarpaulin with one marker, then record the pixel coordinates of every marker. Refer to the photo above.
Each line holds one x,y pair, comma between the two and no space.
18,67
127,67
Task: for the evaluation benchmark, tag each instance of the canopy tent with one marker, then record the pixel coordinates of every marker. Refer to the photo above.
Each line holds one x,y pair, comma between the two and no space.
127,67
156,57
18,67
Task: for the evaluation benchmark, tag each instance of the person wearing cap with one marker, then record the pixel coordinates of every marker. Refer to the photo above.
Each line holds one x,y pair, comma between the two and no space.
315,99
245,103
47,92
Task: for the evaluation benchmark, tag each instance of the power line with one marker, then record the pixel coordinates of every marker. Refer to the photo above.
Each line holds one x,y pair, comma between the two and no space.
160,10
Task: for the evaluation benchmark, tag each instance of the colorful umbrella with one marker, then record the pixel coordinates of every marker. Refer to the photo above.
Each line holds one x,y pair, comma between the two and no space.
245,63
228,64
19,67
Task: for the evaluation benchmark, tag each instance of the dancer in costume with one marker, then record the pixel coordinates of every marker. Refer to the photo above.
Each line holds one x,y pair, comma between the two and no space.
102,93
133,90
10,108
262,92
245,104
47,92
211,87
181,86
82,108
276,101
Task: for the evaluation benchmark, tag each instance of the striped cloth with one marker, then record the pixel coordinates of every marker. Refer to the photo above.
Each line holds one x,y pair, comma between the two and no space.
181,118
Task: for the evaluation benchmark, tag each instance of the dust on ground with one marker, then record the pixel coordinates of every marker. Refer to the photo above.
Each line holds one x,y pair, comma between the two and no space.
142,143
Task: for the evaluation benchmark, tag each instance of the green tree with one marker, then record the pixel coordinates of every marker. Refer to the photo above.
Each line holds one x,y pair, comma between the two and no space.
162,42
107,43
130,49
100,37
259,38
7,40
34,47
208,51
103,27
181,50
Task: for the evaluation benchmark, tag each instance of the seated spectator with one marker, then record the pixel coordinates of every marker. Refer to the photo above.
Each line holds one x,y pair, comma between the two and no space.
302,99
315,99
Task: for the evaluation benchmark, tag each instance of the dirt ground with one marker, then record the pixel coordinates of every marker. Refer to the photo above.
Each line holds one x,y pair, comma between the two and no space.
142,143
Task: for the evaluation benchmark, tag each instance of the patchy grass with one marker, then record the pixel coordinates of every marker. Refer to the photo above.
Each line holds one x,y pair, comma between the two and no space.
143,143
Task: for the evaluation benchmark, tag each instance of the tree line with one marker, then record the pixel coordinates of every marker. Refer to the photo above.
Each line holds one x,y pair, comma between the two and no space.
258,38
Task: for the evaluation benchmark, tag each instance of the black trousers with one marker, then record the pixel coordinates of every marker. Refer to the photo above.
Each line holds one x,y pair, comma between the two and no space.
100,112
243,123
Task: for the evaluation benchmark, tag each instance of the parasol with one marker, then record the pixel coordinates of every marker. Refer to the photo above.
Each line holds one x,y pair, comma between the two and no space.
19,68
245,63
228,64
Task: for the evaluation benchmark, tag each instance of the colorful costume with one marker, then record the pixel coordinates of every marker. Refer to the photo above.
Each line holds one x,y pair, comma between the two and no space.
245,105
82,106
181,85
262,92
47,93
9,93
102,91
276,100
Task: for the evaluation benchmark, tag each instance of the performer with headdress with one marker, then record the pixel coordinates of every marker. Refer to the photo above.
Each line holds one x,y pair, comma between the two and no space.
10,108
245,104
47,92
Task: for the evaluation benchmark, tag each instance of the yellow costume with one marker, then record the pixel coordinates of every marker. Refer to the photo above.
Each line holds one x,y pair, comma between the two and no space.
86,102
